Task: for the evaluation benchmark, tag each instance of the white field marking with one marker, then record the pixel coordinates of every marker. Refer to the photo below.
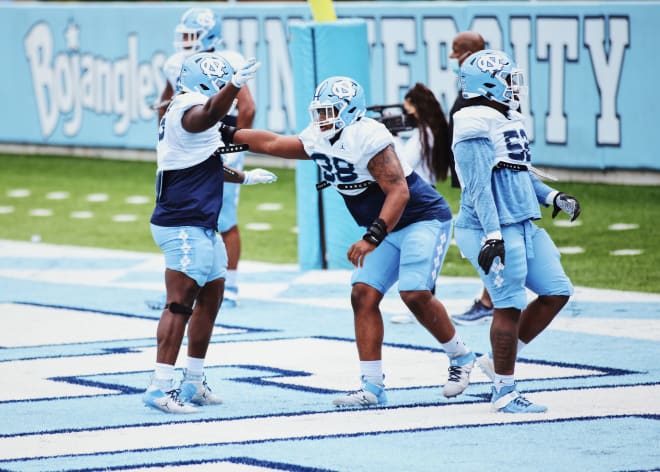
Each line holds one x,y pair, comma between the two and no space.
18,193
137,200
579,403
634,328
97,197
41,212
294,230
584,294
258,226
571,250
622,226
124,218
41,325
58,251
324,363
57,195
82,215
269,207
4,210
626,252
566,223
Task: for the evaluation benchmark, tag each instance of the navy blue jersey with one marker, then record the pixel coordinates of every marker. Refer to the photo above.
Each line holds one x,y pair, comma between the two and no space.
190,196
425,204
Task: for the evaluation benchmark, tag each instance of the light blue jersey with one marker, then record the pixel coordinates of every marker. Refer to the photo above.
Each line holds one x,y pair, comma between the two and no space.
499,194
491,196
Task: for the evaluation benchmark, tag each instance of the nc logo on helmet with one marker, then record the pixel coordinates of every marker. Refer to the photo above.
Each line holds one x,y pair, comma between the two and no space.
205,19
491,63
344,89
213,67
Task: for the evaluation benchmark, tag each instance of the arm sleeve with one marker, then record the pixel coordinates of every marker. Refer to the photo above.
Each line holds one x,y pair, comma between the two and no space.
475,157
544,193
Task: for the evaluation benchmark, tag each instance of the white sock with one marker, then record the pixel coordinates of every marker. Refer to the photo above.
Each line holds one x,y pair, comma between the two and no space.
455,347
163,376
372,371
500,381
231,278
194,367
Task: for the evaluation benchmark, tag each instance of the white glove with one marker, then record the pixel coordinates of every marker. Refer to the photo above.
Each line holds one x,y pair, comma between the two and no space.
258,176
247,72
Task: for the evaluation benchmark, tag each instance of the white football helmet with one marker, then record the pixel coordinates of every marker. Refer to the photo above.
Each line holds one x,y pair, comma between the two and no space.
338,102
198,30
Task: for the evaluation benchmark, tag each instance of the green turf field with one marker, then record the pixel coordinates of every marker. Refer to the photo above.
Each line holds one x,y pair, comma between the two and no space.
107,203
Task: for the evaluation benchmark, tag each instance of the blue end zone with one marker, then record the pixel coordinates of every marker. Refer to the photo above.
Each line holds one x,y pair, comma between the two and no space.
78,346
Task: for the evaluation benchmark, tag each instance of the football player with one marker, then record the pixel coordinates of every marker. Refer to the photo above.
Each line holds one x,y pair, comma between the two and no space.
199,30
189,187
495,227
408,226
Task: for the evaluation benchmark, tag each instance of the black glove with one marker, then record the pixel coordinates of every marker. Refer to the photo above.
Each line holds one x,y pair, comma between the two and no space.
567,204
227,132
491,249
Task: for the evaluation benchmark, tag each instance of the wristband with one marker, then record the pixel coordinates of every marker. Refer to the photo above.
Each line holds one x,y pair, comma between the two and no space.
376,232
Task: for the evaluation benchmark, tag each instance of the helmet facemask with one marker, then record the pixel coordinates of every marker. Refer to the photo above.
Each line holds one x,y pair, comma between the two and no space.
326,118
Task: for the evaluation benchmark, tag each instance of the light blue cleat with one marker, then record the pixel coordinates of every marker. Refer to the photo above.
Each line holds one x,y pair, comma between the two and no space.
169,401
369,395
194,389
508,400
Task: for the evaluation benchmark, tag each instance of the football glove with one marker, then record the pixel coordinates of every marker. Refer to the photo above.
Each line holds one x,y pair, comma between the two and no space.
246,73
258,176
567,204
491,249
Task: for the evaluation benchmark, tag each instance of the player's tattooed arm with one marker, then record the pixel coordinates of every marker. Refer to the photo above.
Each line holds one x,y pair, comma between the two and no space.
386,169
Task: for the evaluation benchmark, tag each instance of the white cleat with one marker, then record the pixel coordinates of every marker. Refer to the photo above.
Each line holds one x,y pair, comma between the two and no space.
486,365
459,374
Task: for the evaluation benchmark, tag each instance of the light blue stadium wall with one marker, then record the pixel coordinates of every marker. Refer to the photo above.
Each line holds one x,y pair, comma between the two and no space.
84,74
591,66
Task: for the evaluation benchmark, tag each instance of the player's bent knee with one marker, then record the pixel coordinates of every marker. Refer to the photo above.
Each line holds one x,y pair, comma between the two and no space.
179,308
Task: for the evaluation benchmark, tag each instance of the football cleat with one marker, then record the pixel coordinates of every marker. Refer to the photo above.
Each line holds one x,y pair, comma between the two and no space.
486,364
477,314
508,400
369,395
169,401
459,374
195,390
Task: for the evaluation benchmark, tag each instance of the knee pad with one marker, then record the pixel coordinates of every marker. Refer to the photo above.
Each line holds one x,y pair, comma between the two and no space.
179,309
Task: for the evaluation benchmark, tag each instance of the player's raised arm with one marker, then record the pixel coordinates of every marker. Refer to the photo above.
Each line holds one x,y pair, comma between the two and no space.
218,71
